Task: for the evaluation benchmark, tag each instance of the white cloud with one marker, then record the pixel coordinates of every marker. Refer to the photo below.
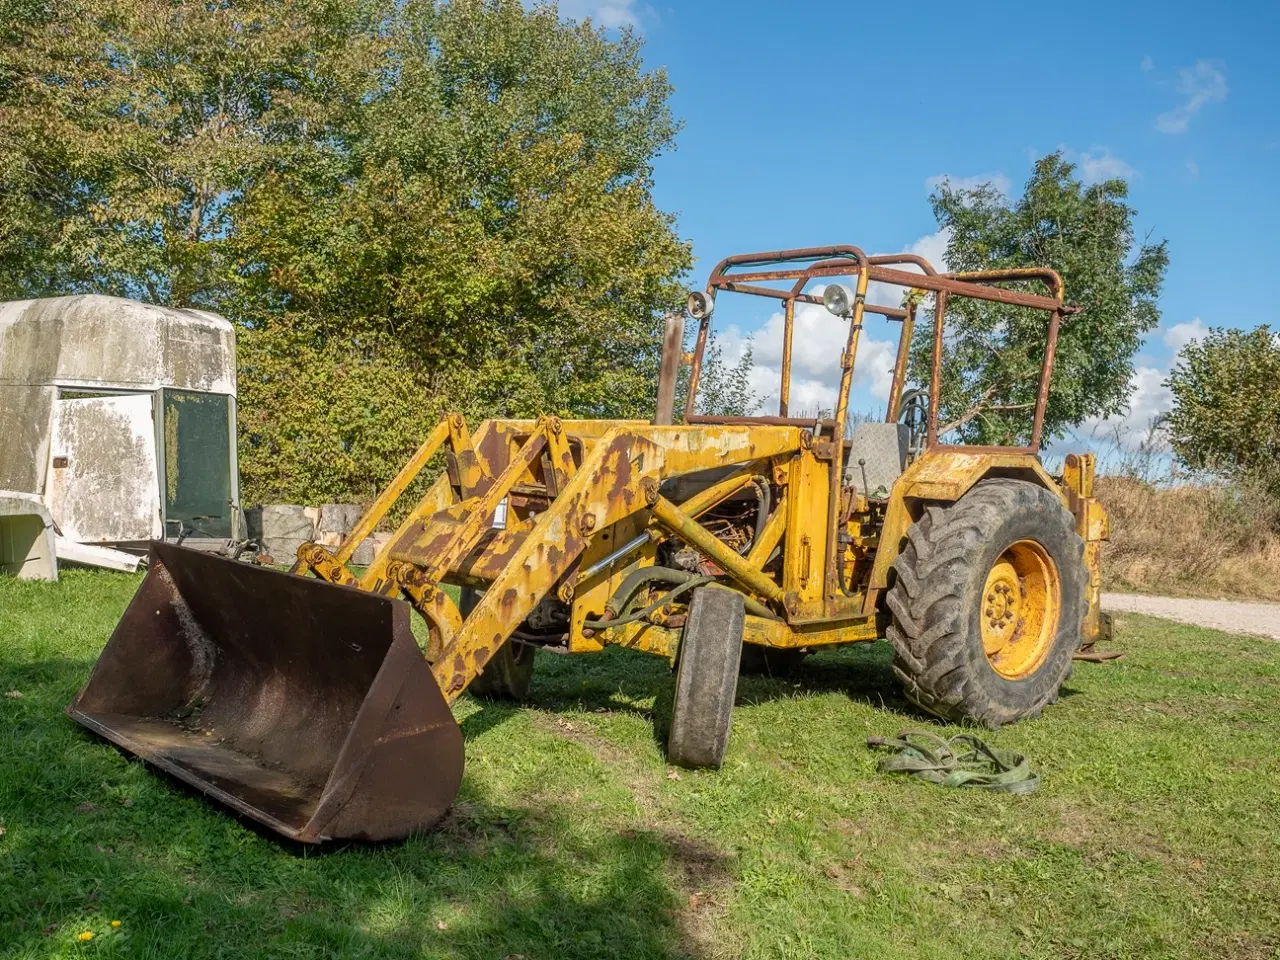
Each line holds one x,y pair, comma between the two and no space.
997,180
610,15
1148,398
1099,163
1148,64
1180,334
1193,169
1201,84
933,248
817,343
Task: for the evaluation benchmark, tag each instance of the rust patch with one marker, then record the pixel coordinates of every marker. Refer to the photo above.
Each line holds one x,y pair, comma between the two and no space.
510,598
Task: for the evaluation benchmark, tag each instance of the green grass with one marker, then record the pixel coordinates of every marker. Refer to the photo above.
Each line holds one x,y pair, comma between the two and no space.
1153,833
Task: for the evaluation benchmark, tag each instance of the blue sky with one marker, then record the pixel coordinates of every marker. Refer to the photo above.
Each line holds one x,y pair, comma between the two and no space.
825,121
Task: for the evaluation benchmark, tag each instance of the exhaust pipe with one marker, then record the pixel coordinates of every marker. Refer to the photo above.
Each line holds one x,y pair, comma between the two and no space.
303,705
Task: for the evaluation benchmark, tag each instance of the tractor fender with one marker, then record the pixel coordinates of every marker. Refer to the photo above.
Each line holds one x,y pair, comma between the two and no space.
943,475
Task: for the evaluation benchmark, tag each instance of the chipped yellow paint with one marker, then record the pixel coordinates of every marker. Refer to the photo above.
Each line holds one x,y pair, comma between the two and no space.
947,475
577,490
1021,607
1094,527
804,547
590,597
760,631
775,633
942,476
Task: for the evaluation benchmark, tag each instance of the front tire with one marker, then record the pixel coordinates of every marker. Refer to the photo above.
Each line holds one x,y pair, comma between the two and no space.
988,604
509,672
706,678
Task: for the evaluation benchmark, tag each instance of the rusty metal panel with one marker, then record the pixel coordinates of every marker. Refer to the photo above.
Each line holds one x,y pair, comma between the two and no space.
669,372
303,705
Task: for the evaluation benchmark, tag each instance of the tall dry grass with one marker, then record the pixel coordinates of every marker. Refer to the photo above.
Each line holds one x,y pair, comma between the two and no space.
1207,539
1177,532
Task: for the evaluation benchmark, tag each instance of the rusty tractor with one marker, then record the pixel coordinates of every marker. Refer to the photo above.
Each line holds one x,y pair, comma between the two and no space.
303,700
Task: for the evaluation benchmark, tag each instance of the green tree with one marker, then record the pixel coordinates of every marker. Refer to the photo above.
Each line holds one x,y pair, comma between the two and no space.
1226,406
993,353
132,130
407,205
724,390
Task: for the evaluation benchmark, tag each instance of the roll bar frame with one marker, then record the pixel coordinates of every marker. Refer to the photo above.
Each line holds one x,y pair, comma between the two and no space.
806,264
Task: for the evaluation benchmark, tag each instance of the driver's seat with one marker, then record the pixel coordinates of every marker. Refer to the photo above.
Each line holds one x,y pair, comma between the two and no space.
876,457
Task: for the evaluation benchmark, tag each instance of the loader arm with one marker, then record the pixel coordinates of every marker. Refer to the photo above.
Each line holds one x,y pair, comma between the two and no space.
446,538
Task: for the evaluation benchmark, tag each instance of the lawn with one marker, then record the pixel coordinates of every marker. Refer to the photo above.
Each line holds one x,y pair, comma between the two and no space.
1153,833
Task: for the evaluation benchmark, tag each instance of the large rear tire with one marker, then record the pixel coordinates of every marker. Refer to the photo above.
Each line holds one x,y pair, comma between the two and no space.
509,673
988,604
706,678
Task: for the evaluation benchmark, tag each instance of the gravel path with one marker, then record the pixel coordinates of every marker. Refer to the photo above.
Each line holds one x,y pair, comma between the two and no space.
1260,619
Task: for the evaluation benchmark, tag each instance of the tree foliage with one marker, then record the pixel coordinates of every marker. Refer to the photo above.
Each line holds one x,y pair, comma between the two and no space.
406,205
724,389
1226,406
992,353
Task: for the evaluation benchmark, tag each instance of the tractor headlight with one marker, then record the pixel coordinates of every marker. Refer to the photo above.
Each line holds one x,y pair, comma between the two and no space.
838,299
701,305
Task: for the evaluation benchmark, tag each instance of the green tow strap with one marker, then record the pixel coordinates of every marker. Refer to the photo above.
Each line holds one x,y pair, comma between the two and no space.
962,761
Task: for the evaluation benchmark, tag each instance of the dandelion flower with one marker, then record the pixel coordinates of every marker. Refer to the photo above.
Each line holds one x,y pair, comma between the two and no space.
86,936
115,923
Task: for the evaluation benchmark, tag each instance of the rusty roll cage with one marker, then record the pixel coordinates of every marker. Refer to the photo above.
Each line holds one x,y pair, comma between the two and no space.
850,261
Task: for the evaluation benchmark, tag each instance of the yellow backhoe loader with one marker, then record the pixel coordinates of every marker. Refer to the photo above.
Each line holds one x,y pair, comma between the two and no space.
302,699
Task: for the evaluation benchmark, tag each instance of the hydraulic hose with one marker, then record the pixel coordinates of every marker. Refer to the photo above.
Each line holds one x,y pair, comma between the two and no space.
666,598
761,485
637,579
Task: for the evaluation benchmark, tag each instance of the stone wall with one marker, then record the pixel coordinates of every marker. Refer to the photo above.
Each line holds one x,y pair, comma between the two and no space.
283,528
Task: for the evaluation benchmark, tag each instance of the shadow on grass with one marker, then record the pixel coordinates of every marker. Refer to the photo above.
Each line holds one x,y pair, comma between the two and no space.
92,836
627,682
622,681
617,679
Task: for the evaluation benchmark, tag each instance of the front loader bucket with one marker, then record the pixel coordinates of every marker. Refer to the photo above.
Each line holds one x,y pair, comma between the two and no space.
301,704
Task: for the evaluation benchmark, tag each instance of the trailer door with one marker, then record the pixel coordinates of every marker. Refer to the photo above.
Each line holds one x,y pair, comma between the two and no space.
104,486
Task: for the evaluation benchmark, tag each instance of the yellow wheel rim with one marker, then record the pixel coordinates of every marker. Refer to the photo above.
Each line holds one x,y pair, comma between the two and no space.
1021,605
